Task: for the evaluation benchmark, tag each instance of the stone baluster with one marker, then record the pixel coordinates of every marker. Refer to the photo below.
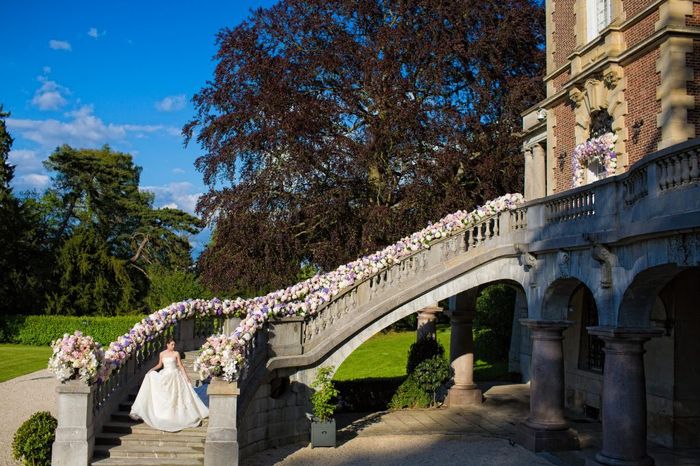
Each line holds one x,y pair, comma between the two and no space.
463,310
75,434
221,444
624,396
427,317
546,427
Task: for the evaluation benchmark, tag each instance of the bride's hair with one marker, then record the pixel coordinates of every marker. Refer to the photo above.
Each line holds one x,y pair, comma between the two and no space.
168,340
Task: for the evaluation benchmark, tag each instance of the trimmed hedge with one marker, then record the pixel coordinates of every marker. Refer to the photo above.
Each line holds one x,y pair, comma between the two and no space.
363,395
42,330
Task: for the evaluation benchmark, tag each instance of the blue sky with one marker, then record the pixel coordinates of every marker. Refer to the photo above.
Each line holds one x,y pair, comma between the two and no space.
117,73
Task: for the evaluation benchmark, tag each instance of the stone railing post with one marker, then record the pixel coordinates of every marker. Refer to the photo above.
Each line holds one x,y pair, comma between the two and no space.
187,337
624,396
427,317
285,336
75,435
546,428
221,444
230,324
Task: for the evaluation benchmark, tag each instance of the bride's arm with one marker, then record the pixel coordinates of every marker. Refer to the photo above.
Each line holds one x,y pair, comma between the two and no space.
182,368
160,363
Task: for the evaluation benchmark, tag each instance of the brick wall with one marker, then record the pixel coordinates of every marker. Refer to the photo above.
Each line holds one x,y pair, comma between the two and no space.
564,30
632,7
642,81
641,30
564,132
560,80
695,19
693,62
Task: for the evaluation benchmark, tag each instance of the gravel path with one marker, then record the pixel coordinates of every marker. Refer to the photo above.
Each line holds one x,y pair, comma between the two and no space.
20,398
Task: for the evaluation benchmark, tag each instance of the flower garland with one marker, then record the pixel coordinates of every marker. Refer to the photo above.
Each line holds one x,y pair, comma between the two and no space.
76,356
600,149
223,355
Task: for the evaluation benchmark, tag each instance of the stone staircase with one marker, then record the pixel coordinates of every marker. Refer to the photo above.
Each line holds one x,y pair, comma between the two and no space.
124,441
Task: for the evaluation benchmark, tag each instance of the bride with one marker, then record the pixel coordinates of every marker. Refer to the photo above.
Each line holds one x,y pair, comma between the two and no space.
166,399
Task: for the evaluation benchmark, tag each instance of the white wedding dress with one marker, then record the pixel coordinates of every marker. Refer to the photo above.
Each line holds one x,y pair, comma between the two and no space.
166,401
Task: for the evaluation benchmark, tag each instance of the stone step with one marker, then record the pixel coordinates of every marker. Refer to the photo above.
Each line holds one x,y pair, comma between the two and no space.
147,461
128,427
148,451
148,438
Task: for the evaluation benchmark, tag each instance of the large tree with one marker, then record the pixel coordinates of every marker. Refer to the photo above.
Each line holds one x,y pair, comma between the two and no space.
332,127
107,234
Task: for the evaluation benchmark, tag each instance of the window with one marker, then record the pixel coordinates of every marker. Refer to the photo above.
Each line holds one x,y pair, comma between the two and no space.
591,356
599,15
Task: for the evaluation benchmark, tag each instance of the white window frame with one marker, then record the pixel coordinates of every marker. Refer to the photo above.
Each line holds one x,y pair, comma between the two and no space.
598,17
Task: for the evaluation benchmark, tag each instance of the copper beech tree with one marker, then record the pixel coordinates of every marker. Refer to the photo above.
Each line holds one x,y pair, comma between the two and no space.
334,127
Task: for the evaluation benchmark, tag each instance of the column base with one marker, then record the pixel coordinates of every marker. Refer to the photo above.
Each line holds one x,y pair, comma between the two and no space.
546,440
459,396
601,459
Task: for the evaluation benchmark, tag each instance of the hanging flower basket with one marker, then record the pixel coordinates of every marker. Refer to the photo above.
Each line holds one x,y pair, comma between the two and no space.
601,150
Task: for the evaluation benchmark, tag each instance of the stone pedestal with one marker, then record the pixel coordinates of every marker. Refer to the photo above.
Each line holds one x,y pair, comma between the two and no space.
221,444
75,435
464,391
285,335
546,427
427,318
624,396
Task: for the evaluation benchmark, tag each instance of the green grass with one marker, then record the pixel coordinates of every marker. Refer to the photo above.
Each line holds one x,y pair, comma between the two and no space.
16,360
385,355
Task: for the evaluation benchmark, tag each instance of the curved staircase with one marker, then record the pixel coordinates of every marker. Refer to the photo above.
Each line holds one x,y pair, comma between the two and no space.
124,441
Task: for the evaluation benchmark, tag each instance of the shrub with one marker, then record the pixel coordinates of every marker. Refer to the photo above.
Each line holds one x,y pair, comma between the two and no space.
431,374
324,394
421,351
364,395
32,441
493,324
410,395
10,327
42,330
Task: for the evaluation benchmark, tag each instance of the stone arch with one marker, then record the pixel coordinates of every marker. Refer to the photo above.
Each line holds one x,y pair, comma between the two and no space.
640,295
557,297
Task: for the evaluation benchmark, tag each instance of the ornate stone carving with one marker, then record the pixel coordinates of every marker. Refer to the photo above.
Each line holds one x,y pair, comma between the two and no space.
563,261
611,77
603,255
528,262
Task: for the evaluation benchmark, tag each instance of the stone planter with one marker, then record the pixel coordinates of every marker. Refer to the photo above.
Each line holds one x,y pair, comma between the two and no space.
323,434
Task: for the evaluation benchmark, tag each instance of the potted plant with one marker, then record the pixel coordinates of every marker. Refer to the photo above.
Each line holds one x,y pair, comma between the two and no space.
322,423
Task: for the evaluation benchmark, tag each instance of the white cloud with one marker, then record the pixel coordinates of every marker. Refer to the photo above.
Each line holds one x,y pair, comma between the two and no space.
171,103
25,160
82,129
46,69
36,181
175,195
50,95
178,171
95,34
60,45
171,205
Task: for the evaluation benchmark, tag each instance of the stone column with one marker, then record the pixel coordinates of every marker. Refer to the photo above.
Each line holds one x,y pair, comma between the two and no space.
539,172
464,391
624,396
546,428
221,444
75,435
427,317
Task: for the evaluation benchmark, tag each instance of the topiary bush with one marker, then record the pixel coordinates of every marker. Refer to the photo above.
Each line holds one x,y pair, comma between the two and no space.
33,440
421,351
410,395
431,374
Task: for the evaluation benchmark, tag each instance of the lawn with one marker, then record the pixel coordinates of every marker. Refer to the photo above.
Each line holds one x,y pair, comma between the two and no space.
385,354
16,360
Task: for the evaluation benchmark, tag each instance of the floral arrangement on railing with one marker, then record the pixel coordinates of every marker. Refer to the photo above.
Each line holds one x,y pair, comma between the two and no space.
76,356
600,149
224,356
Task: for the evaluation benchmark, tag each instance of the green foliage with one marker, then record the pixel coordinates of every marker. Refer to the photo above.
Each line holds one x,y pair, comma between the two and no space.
169,286
42,330
421,351
493,324
33,440
410,395
431,374
322,398
367,395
